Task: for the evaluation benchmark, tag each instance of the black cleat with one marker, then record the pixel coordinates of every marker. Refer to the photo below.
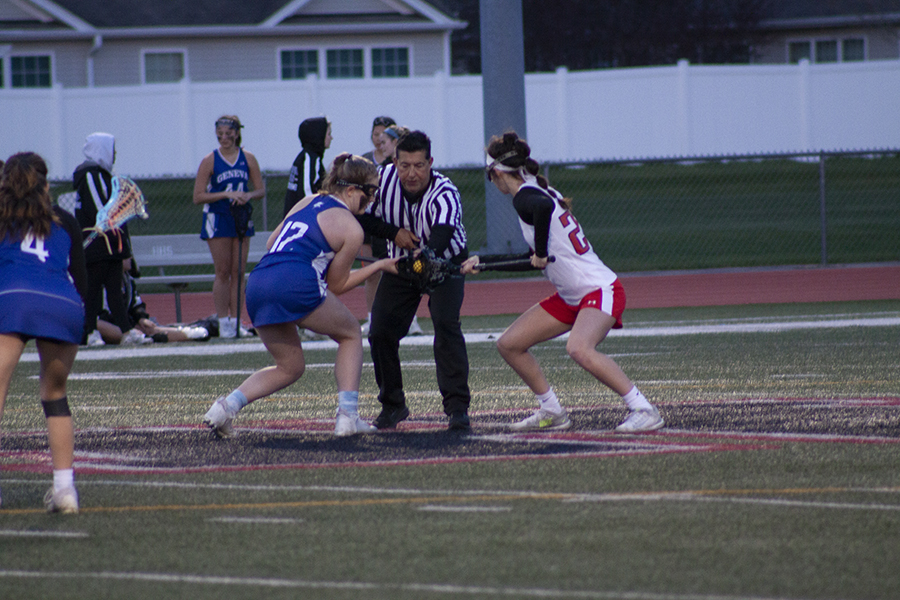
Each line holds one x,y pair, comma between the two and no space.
390,416
459,421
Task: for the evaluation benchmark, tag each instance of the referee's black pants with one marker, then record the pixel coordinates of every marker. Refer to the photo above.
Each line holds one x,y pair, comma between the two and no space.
393,310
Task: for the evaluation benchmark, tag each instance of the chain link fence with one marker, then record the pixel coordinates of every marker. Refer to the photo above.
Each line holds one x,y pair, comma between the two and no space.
664,214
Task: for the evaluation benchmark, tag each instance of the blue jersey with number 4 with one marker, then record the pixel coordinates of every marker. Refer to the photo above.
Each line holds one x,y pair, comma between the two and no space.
37,295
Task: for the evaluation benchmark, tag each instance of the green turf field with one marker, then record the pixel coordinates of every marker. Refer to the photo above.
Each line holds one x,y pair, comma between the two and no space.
777,476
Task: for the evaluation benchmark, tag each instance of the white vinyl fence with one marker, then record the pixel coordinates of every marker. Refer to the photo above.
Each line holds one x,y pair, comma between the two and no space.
681,110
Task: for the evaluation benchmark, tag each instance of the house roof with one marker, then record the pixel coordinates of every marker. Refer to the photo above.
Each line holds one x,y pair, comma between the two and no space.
829,13
106,14
127,18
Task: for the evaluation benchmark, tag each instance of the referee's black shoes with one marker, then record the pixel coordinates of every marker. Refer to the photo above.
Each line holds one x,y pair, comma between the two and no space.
390,416
459,421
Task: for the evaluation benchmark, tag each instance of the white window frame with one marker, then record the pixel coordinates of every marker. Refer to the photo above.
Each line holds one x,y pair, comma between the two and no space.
367,59
826,40
865,42
812,41
808,42
319,60
366,62
7,71
409,60
184,57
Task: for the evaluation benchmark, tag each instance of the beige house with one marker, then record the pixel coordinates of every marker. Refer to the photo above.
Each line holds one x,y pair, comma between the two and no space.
93,43
829,31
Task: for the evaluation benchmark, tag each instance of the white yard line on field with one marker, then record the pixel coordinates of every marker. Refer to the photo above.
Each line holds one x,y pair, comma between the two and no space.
246,346
445,589
43,534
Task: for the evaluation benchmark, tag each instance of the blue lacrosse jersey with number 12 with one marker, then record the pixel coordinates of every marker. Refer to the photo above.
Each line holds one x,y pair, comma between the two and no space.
289,281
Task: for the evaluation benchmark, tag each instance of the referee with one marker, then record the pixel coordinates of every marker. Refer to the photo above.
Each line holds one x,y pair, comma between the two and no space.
417,208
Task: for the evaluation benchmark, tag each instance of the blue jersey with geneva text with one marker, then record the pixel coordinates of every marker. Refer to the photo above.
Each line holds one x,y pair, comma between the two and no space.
227,177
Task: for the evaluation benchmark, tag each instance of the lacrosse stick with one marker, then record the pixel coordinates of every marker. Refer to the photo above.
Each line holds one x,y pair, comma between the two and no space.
502,265
425,270
241,214
126,201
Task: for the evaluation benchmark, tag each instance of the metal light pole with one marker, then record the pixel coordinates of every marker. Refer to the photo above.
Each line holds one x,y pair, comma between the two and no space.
503,94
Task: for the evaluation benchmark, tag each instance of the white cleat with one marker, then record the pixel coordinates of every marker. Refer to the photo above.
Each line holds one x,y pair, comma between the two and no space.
195,333
95,339
228,328
219,418
415,328
350,424
63,501
640,421
133,337
544,421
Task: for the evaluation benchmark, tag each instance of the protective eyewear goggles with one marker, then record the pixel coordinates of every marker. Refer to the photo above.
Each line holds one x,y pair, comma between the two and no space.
383,122
228,123
369,189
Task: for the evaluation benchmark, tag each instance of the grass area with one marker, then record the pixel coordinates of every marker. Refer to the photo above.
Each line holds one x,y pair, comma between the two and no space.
669,215
776,476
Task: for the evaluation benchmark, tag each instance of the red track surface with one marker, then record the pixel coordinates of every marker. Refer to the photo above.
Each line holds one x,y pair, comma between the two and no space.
697,288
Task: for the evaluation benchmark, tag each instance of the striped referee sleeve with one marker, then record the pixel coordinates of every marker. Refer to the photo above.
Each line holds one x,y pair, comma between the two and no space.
444,207
440,205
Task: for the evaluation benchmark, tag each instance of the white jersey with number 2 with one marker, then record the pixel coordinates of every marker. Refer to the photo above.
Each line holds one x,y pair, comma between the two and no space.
576,270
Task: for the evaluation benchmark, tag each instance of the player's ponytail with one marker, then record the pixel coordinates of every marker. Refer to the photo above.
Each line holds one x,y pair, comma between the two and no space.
24,200
515,152
348,168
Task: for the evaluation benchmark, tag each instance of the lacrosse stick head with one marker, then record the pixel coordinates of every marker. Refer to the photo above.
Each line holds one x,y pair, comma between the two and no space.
126,201
425,269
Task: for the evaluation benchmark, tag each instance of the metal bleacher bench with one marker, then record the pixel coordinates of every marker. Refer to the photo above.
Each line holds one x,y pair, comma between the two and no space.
154,253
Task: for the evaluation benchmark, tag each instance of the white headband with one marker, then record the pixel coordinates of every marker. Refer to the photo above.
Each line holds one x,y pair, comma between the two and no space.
494,163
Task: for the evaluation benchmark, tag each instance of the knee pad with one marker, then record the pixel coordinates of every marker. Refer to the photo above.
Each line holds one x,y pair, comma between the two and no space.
56,408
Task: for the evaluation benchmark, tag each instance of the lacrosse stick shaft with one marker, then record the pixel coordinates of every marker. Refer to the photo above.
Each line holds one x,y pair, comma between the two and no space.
90,238
237,327
241,215
506,264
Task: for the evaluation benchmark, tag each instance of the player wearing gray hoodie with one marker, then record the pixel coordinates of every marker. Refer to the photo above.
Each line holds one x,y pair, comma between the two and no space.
92,181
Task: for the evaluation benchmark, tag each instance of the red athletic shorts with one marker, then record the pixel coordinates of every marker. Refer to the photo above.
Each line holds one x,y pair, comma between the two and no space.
612,304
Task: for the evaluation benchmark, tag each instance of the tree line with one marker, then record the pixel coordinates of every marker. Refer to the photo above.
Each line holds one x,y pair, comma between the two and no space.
596,34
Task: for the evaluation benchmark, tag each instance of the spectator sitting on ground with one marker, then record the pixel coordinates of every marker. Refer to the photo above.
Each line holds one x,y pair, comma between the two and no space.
145,329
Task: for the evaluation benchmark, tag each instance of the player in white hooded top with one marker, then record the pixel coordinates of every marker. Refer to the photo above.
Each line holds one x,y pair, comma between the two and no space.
589,299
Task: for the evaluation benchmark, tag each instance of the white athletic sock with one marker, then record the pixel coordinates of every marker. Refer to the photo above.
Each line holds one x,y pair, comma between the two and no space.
369,317
550,402
62,479
349,402
636,400
236,400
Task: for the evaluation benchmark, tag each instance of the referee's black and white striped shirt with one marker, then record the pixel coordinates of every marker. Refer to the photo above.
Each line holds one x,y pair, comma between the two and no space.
440,205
